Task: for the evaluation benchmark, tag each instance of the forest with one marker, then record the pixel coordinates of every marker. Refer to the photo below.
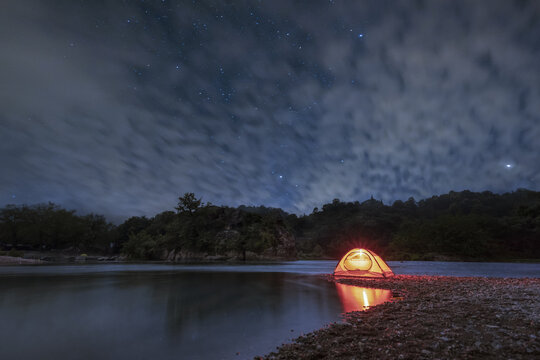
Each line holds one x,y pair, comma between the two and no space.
455,226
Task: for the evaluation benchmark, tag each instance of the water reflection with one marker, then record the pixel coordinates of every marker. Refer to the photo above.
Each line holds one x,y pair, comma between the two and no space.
162,315
354,298
132,311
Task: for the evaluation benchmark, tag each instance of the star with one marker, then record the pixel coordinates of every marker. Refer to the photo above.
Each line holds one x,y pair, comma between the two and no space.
264,87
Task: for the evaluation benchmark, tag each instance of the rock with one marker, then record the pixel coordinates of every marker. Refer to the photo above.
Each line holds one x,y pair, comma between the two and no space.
287,243
250,255
216,257
455,318
164,255
183,255
11,260
170,255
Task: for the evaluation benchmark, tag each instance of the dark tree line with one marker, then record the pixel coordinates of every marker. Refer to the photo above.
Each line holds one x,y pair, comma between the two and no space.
48,226
463,225
197,228
457,225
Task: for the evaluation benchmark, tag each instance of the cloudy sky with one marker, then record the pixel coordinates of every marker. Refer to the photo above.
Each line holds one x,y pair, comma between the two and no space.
120,107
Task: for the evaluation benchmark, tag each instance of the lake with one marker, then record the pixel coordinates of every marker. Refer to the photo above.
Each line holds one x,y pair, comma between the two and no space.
165,311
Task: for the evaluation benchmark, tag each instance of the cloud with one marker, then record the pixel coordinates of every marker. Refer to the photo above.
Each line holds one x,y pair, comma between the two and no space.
119,108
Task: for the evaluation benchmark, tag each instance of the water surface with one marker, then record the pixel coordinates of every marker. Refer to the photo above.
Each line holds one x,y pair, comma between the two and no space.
75,313
162,311
447,268
515,270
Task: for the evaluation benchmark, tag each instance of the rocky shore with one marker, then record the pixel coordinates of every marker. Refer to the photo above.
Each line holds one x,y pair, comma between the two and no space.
433,317
12,260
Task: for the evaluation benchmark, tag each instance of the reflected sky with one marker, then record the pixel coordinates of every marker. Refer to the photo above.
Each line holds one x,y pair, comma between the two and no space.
144,315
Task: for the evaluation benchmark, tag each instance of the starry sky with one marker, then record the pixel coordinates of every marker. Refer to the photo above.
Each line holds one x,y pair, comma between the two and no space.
119,107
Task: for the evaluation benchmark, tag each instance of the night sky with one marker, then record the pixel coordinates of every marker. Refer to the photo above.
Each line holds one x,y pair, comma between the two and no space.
120,107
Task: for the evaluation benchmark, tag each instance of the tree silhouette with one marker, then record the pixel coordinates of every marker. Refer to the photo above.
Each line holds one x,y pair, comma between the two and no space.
188,203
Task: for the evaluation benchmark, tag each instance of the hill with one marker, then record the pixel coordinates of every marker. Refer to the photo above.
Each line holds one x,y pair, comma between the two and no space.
455,226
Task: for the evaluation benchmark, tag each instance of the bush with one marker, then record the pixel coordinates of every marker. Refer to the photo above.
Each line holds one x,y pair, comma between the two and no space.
142,246
15,253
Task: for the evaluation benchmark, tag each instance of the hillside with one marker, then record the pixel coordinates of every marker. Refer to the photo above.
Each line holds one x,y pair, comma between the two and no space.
455,226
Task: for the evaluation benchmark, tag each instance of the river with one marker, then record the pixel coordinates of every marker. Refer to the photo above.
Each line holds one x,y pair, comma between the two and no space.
164,311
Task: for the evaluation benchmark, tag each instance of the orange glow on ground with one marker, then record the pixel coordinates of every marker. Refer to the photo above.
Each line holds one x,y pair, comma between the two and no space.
354,298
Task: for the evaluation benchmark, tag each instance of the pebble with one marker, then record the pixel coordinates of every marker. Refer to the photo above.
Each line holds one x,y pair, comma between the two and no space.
453,317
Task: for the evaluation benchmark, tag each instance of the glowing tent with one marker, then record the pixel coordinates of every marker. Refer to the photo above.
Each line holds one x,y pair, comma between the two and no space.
362,263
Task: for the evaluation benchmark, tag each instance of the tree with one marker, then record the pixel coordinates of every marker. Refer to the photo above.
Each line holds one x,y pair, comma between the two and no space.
188,203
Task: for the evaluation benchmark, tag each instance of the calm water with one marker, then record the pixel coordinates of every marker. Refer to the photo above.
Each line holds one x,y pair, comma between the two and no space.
143,311
513,270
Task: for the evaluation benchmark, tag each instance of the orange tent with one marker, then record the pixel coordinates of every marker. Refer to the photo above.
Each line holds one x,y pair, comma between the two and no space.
362,263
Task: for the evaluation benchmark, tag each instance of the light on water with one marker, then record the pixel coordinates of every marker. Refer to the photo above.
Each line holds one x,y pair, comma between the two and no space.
354,298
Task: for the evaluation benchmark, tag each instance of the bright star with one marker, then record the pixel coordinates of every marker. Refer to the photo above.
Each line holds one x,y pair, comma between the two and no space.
508,166
281,176
360,35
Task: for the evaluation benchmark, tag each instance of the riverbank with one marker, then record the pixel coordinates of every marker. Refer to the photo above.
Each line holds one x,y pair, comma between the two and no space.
436,317
57,259
12,260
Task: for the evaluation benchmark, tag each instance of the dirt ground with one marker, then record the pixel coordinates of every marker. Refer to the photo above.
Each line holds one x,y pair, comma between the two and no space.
433,317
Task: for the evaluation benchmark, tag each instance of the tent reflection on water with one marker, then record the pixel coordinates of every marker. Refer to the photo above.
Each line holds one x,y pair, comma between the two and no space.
354,298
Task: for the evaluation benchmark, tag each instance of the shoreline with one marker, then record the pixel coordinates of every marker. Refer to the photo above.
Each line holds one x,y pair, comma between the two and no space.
11,260
50,258
437,317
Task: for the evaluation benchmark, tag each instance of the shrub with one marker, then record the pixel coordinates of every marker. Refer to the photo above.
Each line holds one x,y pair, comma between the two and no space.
15,253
